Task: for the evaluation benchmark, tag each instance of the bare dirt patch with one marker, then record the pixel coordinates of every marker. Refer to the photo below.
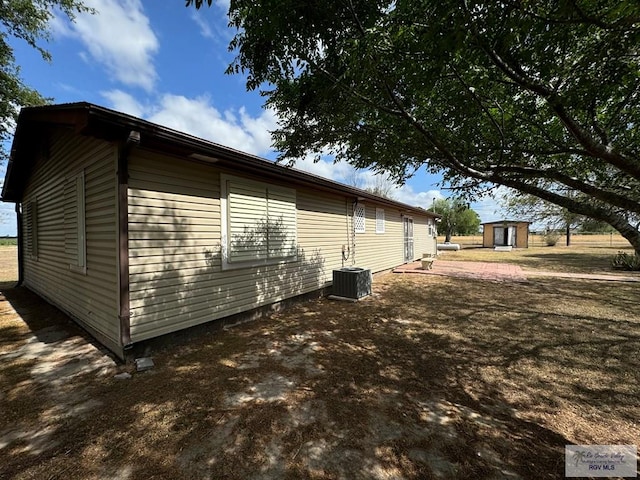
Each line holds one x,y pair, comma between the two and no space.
432,377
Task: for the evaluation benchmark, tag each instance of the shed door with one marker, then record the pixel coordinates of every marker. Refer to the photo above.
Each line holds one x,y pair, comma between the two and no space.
408,238
511,236
498,235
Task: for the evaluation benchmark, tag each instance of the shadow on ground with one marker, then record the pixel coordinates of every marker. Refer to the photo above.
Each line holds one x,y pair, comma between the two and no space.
429,378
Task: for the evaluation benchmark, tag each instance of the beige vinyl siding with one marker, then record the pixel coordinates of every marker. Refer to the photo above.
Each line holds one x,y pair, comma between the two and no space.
424,243
90,298
176,276
174,244
176,238
380,251
324,226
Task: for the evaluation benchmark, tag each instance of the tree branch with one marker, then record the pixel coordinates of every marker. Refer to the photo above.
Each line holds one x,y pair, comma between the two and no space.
554,101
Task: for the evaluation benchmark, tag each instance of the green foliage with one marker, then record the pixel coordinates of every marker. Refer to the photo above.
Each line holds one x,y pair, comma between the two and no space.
457,217
624,261
542,97
27,20
589,225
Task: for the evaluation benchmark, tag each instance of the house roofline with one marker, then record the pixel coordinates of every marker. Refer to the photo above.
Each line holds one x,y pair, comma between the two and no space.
93,120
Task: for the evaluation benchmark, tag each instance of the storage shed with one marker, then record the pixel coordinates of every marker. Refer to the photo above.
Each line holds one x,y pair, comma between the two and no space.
504,233
136,230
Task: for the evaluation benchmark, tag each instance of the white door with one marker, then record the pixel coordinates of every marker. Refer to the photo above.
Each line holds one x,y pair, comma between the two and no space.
408,239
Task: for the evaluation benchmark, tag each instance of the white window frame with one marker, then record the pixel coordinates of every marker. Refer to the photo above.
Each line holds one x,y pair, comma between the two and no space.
359,218
431,225
379,220
226,263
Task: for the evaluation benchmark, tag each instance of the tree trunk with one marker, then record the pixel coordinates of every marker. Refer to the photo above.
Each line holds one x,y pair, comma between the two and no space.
630,233
568,234
447,236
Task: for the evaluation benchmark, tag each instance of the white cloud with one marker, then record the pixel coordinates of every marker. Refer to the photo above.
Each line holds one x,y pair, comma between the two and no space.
205,29
408,195
124,102
119,37
345,173
338,171
198,117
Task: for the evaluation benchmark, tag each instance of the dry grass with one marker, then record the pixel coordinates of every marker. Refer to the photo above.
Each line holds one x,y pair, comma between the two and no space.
8,264
433,377
572,259
604,240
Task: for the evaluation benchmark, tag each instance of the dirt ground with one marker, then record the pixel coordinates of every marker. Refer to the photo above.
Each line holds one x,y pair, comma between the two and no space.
431,377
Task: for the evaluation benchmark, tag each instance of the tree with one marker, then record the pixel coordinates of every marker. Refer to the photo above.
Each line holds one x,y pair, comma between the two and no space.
552,216
590,225
542,97
28,21
457,217
468,222
380,184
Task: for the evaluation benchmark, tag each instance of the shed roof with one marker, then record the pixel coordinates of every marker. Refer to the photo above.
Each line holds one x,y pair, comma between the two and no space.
93,120
505,221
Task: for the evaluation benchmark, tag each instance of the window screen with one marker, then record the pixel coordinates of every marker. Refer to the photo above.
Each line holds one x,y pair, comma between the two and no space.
261,222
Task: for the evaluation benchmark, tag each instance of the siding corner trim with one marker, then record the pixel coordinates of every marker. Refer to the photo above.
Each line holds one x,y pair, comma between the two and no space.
124,314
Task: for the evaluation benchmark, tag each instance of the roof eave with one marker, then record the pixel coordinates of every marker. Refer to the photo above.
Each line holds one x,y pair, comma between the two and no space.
109,124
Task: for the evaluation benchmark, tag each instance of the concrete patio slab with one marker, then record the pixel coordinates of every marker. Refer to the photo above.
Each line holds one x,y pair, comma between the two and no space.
495,272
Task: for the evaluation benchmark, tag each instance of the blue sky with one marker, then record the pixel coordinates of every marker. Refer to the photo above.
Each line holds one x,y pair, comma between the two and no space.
163,62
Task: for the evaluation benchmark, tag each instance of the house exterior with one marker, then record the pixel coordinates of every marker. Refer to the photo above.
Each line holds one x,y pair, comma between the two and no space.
137,231
505,233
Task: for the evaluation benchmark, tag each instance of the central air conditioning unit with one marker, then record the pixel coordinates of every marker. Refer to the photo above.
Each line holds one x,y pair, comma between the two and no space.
351,282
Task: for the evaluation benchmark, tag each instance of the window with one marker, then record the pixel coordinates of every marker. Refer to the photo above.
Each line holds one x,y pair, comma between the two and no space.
358,218
432,228
74,223
259,222
379,220
31,228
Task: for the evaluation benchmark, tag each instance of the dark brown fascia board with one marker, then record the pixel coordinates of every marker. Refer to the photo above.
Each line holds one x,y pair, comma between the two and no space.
111,125
505,221
30,121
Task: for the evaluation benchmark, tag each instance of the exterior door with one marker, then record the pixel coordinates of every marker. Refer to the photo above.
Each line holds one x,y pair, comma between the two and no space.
511,236
408,239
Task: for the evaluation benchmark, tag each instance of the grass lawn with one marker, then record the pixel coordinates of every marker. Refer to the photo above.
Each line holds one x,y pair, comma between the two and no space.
432,377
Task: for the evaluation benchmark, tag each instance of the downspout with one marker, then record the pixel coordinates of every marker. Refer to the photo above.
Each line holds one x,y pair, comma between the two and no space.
19,240
124,315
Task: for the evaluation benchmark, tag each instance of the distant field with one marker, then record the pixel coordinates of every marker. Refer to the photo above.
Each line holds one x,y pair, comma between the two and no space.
8,241
578,240
8,263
